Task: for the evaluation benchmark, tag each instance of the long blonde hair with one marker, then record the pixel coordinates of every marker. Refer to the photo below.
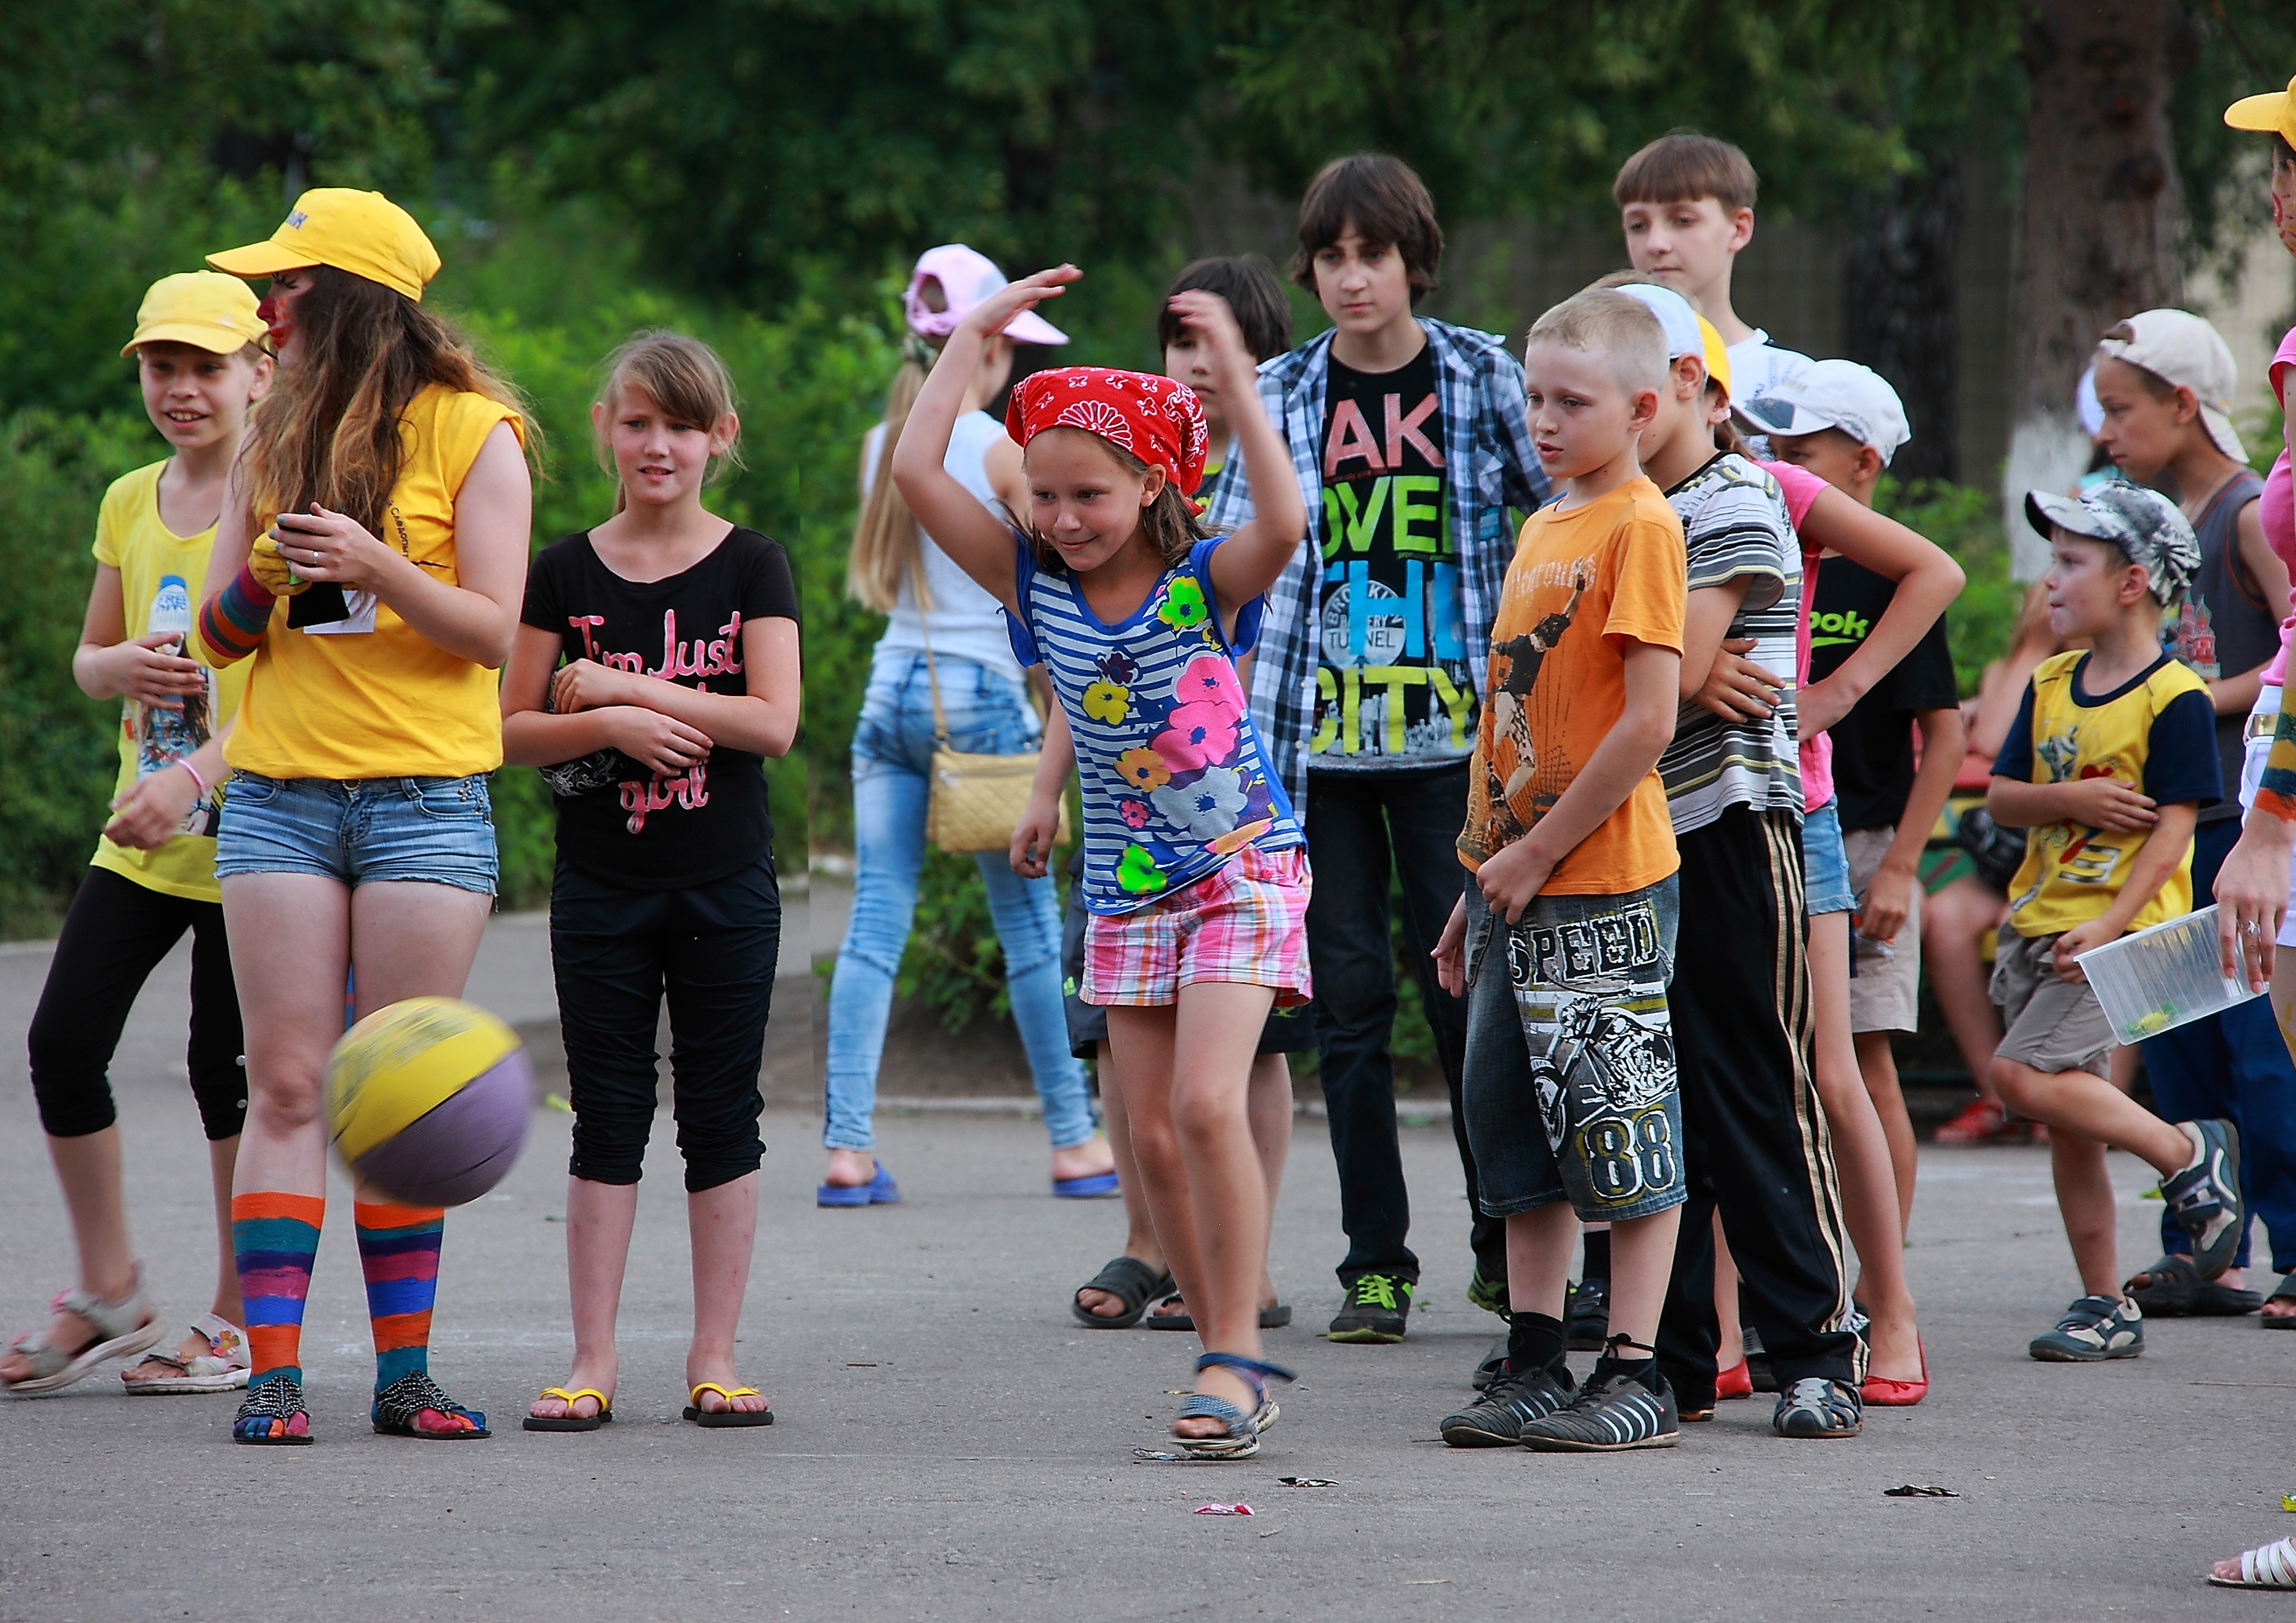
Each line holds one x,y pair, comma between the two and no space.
328,432
885,536
685,380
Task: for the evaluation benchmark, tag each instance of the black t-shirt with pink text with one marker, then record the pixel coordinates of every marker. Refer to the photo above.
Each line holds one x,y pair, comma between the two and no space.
620,821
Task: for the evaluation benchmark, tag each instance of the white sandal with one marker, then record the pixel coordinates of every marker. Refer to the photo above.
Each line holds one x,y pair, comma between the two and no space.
221,1368
2271,1566
123,1329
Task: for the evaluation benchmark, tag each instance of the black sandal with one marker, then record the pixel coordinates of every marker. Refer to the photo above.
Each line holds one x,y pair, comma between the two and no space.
2284,1292
2176,1289
397,1406
1275,1317
1131,1282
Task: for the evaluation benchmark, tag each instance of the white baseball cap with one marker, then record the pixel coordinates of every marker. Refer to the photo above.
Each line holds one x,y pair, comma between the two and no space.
1674,315
2181,348
1832,395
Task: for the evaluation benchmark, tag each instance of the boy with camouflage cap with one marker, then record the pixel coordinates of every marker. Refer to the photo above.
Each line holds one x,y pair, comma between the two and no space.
2111,758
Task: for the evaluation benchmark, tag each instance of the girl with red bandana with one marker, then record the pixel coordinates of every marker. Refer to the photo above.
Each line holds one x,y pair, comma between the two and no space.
1195,872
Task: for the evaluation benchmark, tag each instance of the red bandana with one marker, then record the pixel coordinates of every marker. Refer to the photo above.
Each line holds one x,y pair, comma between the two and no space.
1159,420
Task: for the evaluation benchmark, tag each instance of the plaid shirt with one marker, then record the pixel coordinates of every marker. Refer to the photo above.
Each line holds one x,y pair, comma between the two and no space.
1487,466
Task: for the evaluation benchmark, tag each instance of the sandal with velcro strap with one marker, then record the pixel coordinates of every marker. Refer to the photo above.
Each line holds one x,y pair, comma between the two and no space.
1815,1407
2174,1288
124,1329
1242,1440
2271,1566
221,1368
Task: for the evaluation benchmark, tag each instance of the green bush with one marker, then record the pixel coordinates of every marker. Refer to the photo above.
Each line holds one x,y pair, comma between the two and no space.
1966,521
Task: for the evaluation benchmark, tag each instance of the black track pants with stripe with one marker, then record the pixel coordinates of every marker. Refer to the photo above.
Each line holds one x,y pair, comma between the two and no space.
1755,1142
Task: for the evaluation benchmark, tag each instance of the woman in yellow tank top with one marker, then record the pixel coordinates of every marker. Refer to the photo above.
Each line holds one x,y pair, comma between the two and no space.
371,561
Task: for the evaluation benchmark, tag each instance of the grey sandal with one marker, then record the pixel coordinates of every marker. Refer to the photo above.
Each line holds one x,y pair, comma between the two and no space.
2284,1292
125,1329
1240,1439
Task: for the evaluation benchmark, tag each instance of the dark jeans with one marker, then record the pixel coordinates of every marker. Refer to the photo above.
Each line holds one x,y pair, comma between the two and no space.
1356,823
114,938
2233,1064
712,950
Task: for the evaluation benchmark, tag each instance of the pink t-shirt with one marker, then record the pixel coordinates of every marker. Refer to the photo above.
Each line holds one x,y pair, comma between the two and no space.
1800,487
2277,508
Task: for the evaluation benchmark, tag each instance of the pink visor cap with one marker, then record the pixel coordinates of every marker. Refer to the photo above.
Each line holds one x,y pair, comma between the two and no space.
965,279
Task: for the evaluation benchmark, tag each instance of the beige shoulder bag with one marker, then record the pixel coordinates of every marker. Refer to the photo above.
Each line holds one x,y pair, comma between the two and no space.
976,801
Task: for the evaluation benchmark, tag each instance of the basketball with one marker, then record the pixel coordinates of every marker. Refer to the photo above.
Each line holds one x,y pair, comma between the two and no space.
428,1100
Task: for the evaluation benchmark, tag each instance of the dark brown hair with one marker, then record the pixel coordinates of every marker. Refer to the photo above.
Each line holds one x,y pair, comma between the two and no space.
328,432
1170,520
1249,285
1388,205
1683,165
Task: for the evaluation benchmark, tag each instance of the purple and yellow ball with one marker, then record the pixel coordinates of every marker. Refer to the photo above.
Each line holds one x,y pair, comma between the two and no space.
428,1100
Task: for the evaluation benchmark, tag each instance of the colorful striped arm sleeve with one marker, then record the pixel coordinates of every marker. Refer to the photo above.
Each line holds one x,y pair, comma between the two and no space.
2276,792
232,621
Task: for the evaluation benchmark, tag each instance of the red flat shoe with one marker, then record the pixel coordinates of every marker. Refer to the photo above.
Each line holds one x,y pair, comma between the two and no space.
1736,1382
1881,1392
1981,1121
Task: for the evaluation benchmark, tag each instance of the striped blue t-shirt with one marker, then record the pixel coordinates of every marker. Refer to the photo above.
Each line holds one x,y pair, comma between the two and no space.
1175,781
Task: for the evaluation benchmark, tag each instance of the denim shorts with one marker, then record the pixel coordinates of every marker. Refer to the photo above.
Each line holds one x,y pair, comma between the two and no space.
363,832
1824,863
1570,1089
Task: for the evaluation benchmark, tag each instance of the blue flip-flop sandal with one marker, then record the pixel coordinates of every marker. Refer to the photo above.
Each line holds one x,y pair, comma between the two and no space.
879,1190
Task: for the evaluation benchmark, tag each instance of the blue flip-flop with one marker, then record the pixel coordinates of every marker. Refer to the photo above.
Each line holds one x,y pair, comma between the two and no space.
1098,1186
879,1190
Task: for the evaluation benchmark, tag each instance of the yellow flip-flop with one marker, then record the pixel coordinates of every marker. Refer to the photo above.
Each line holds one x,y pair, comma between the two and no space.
699,1416
570,1421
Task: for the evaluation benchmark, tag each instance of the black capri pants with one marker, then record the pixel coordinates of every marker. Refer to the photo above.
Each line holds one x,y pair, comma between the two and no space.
114,938
711,950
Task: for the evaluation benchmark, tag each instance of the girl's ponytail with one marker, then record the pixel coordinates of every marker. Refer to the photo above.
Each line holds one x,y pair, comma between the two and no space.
885,535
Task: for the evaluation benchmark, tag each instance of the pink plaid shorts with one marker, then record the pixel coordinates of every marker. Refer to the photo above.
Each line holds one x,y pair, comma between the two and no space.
1245,923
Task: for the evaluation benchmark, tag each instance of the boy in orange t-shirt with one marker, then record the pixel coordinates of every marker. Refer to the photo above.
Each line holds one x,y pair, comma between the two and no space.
1570,1094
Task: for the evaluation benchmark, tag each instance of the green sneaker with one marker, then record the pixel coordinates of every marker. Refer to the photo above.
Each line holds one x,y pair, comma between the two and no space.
1489,1294
1375,1309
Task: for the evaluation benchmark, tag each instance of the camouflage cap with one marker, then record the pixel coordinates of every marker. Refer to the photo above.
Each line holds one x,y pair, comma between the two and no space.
2142,523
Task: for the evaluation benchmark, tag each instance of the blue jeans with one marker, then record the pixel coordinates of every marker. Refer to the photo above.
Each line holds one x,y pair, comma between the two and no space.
2233,1064
892,753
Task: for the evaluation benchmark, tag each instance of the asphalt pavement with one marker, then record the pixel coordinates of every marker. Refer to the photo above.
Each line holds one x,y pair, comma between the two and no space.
952,1444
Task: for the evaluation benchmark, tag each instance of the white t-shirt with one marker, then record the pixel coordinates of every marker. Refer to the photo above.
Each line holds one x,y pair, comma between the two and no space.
967,623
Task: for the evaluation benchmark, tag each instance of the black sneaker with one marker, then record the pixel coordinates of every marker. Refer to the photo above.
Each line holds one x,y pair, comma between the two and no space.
1613,1412
1488,1293
1498,1417
1815,1407
2204,1198
2094,1328
1587,1318
1494,1362
1758,1360
1375,1309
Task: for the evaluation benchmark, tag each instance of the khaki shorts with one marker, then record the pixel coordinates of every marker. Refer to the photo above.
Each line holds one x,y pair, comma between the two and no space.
2055,1025
1885,993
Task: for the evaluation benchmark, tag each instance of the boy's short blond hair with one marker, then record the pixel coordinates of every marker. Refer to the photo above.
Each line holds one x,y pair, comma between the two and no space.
1618,328
1685,165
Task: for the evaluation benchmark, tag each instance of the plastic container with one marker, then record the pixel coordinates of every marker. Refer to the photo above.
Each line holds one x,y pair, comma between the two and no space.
2162,978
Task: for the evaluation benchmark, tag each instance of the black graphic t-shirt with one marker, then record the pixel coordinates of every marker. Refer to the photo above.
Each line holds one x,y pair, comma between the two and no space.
1393,689
1873,744
621,821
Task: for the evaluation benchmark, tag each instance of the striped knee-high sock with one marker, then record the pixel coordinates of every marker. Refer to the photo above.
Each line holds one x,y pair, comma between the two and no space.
398,1248
274,1237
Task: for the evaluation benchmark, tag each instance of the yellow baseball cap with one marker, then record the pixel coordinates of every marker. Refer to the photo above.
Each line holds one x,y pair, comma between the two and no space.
364,233
215,313
2272,113
1718,355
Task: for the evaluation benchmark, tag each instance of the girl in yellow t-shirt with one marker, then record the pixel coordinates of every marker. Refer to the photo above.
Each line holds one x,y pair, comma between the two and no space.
371,559
152,877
